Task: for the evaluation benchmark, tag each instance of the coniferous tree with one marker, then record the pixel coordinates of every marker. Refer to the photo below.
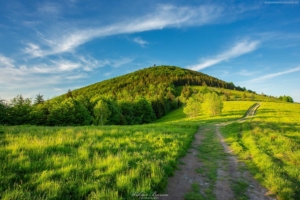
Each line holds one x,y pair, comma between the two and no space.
39,99
69,94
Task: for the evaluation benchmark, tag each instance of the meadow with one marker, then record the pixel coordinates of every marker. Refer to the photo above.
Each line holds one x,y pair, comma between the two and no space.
235,95
91,162
269,144
231,110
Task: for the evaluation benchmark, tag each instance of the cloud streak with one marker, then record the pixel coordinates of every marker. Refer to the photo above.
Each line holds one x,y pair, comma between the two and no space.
140,41
269,76
165,16
237,50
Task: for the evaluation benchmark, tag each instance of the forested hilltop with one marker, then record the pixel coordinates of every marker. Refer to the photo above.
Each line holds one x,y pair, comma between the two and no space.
145,82
135,98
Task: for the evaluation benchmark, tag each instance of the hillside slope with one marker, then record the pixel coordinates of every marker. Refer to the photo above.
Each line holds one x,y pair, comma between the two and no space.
141,82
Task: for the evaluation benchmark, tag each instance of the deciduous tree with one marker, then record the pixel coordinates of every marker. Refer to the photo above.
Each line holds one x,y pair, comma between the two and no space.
192,107
101,113
20,108
213,104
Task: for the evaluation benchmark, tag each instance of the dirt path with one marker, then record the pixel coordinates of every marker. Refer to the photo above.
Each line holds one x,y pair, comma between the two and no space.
181,182
229,171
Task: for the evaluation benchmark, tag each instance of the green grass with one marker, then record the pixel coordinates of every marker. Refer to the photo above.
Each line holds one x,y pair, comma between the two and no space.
239,188
270,145
231,110
238,95
113,162
194,194
211,154
89,162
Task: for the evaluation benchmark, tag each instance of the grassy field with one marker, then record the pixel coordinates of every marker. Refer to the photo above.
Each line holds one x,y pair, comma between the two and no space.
89,162
112,162
236,95
231,110
269,143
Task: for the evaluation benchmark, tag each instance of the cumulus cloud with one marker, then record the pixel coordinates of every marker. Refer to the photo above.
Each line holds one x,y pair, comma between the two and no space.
237,50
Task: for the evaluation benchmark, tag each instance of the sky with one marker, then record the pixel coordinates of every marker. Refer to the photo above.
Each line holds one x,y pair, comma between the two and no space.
48,47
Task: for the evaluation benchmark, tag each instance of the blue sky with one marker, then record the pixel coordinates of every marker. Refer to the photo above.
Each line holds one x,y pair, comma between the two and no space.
48,47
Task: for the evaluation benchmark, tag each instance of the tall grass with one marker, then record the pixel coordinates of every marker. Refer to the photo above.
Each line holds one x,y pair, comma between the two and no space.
270,146
89,162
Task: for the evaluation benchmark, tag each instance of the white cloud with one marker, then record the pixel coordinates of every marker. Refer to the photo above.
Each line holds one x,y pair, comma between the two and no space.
50,72
90,63
49,8
269,76
245,72
120,62
5,61
237,50
78,76
164,16
66,65
107,74
140,41
34,50
56,66
16,77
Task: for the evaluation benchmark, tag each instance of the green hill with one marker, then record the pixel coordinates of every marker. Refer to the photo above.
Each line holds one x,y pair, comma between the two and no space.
160,81
144,81
135,98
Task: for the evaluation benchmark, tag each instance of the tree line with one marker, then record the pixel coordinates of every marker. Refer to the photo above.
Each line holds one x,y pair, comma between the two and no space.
81,110
286,98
